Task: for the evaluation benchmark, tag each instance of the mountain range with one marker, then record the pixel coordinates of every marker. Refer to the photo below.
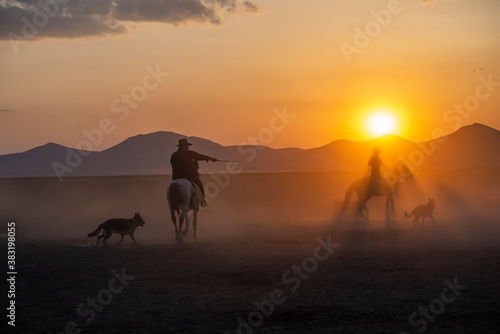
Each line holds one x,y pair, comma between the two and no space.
471,146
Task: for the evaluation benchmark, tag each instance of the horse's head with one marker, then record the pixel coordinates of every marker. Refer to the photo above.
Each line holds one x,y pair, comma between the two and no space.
402,170
398,173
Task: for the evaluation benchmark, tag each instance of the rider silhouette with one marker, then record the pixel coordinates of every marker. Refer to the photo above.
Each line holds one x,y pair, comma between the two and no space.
185,165
376,165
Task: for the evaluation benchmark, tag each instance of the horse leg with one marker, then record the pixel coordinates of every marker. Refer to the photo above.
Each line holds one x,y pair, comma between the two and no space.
186,217
195,223
359,210
389,207
174,221
363,199
387,201
366,216
179,233
361,203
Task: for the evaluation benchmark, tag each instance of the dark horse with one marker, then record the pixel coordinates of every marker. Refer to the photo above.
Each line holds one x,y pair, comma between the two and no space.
366,188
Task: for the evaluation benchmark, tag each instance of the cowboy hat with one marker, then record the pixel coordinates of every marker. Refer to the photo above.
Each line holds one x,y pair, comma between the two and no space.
184,142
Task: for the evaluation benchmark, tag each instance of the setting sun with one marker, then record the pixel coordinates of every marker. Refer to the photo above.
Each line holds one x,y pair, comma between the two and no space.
381,123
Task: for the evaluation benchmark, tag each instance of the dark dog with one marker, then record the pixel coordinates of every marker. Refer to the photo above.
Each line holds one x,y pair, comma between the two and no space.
423,211
121,226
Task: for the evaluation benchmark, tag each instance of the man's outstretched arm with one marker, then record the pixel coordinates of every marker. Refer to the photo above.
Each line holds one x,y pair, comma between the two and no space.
198,156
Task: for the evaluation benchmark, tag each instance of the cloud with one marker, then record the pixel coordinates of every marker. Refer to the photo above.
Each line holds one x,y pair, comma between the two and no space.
78,18
34,19
250,7
8,110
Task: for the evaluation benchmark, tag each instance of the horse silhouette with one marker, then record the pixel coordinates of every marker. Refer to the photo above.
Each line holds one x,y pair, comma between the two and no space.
368,187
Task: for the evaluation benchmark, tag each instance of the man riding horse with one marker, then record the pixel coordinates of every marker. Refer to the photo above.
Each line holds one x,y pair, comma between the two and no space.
377,181
376,185
185,165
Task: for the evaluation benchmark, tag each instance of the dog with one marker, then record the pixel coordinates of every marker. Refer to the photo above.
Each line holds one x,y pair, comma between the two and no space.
121,226
423,211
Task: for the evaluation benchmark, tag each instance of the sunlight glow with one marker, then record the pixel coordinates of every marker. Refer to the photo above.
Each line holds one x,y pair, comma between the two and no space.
381,123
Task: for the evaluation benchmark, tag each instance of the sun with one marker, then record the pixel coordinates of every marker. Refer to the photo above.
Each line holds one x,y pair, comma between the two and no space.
381,122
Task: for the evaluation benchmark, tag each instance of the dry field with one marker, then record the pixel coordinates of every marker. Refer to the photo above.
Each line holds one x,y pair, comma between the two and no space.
272,257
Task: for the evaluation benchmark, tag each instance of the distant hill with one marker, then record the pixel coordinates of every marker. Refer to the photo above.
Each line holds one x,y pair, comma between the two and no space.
472,146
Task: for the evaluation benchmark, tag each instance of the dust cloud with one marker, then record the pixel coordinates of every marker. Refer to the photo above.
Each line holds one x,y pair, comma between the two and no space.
255,205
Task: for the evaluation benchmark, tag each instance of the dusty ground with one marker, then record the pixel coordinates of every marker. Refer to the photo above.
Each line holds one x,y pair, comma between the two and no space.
254,269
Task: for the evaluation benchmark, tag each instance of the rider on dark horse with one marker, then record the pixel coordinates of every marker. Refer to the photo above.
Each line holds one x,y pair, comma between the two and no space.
185,165
376,164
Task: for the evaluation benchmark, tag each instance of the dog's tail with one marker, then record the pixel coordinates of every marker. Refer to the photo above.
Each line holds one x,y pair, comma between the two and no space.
411,214
96,232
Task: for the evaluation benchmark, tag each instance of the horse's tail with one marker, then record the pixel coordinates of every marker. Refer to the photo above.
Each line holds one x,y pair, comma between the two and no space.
173,197
347,197
411,213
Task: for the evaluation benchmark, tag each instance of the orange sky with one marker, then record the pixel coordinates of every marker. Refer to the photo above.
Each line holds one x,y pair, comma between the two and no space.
225,81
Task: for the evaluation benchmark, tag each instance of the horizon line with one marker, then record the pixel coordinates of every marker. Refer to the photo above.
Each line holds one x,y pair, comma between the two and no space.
280,148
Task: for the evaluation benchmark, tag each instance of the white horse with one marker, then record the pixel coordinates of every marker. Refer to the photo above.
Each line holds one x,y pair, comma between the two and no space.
182,198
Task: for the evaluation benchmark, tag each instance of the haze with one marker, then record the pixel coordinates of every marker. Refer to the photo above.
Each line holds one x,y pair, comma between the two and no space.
229,66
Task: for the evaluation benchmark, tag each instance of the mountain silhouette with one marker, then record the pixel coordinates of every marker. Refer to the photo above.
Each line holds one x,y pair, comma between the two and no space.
472,146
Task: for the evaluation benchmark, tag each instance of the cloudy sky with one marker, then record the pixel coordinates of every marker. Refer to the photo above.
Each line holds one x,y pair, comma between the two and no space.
223,69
